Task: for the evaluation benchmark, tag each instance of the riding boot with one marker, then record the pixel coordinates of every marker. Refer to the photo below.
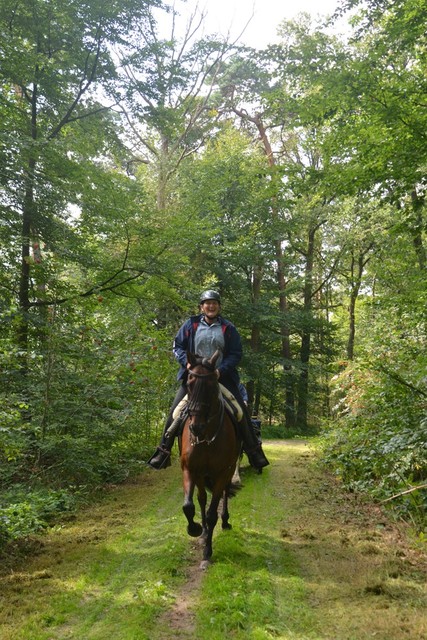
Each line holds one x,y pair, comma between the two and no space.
161,458
252,445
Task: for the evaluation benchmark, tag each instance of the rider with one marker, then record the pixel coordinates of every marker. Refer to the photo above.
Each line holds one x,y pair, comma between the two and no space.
204,334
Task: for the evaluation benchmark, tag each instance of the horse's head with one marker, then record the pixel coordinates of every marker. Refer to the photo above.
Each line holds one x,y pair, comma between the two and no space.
203,391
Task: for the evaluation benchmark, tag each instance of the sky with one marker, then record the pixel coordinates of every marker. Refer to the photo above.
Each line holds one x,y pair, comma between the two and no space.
224,16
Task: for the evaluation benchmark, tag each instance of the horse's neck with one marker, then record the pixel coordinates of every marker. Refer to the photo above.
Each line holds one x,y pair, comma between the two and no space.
216,401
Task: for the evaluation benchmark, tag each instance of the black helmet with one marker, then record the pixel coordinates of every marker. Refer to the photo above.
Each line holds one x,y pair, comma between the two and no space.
209,295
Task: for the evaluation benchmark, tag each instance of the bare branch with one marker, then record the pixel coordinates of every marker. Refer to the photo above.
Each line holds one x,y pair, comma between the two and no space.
395,376
85,83
329,275
404,493
110,284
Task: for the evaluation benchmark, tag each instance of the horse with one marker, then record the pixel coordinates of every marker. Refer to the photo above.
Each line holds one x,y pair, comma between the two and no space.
210,446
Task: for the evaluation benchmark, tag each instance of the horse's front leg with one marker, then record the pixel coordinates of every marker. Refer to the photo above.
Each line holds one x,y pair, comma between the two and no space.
211,520
194,529
202,497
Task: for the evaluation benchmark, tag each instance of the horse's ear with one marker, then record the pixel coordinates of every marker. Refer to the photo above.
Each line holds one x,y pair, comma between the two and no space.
214,358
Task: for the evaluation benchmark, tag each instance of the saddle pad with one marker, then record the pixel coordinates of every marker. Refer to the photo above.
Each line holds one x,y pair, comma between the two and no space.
229,398
179,407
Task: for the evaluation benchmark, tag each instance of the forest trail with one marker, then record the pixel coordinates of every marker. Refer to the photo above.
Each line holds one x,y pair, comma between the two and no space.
319,564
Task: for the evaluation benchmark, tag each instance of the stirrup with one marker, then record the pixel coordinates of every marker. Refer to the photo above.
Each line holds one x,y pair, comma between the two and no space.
161,459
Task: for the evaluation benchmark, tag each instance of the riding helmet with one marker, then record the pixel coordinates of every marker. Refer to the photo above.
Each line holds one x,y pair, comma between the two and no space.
210,294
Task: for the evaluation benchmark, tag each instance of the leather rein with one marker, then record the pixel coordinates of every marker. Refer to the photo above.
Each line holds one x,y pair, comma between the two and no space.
194,439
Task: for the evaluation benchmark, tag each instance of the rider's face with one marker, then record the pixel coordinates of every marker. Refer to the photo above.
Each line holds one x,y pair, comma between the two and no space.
210,309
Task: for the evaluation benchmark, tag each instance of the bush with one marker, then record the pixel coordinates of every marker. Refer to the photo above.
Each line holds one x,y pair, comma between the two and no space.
378,443
33,511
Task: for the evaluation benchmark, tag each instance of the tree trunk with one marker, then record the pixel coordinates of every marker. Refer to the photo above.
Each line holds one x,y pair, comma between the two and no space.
357,268
305,348
290,417
417,229
28,211
255,333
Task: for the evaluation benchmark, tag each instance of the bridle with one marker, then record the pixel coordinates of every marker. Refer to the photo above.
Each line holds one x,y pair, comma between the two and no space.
194,439
201,375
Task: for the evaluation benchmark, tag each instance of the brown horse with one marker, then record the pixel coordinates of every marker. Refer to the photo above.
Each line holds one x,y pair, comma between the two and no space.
210,447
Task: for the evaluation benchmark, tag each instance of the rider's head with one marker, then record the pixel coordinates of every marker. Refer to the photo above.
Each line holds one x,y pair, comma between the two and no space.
210,304
210,294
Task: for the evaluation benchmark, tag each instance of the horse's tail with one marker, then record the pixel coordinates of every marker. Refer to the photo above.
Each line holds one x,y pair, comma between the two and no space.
233,489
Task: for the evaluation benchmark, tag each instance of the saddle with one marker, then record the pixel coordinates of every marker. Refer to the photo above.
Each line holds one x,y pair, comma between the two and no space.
232,407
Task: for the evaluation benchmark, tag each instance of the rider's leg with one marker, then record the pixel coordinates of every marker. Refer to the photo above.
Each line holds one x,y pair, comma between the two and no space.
251,443
161,457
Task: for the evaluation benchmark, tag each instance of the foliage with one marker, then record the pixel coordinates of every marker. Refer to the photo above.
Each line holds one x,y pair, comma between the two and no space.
372,169
378,443
27,512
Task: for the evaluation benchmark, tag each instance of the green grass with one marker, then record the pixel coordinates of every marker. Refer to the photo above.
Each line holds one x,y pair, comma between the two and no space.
254,590
110,577
302,562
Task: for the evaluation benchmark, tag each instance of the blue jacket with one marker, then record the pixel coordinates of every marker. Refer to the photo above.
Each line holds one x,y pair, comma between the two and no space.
184,341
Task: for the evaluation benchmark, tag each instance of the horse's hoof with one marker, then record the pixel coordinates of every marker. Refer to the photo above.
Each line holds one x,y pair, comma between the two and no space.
194,530
204,564
226,525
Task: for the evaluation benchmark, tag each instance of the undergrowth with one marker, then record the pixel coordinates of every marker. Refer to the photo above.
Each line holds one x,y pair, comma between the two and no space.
27,511
377,443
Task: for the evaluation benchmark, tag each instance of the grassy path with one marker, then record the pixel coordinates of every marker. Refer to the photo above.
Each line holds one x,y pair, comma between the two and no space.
304,561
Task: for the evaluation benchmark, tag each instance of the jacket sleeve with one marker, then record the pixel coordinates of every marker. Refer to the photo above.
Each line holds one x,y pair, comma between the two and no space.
232,351
182,343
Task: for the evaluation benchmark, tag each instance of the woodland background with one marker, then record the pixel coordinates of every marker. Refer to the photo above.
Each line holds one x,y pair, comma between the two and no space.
137,170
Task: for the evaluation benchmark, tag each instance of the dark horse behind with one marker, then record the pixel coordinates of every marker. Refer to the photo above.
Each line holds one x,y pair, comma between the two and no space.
210,447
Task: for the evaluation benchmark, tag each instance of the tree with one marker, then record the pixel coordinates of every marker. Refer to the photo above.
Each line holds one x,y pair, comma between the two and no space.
166,98
227,190
56,56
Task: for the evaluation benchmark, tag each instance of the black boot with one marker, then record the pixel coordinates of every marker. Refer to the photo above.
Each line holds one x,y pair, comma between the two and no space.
161,458
252,446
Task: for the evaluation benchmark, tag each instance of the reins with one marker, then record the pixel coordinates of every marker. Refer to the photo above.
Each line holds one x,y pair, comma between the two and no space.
194,439
201,375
